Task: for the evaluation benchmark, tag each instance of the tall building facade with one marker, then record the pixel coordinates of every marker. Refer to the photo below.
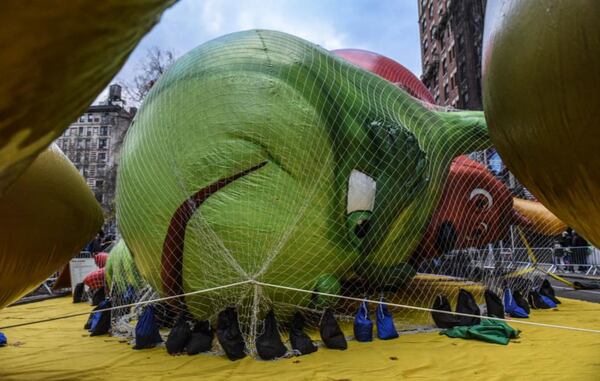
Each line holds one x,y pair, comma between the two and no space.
451,45
93,143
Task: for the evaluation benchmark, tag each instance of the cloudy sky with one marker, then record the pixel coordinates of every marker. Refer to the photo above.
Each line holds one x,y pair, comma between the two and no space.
388,27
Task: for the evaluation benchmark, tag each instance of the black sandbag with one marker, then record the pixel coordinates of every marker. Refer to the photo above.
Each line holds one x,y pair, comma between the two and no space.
268,344
586,285
98,296
100,324
494,305
521,301
547,290
179,337
466,304
78,293
201,338
440,319
300,341
536,302
229,334
331,333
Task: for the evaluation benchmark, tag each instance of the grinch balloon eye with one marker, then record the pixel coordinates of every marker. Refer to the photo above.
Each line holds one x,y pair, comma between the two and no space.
483,199
361,201
361,192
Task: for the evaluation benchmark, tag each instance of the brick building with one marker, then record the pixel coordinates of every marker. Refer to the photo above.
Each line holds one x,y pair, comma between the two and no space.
93,143
451,43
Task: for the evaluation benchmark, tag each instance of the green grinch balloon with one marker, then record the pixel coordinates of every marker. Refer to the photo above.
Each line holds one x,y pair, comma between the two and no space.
261,156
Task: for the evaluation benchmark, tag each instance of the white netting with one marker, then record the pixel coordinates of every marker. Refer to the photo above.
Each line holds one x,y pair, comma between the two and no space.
264,159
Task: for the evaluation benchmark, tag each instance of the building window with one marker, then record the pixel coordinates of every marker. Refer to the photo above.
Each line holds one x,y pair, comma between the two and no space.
430,10
102,156
82,119
444,66
80,130
425,45
97,120
446,91
103,130
102,143
99,183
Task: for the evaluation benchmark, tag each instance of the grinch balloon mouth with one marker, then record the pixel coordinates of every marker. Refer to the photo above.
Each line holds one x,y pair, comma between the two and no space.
172,255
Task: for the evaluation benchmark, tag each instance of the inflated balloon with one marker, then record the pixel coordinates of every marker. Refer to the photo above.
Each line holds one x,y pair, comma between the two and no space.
541,220
262,156
121,271
56,58
388,69
541,74
46,217
100,259
475,209
95,279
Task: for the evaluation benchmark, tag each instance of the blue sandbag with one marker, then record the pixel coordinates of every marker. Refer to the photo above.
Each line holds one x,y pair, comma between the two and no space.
147,333
363,325
548,301
385,323
3,340
511,307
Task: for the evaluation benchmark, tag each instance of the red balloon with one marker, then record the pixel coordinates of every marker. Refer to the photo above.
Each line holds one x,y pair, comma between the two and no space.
101,259
95,279
388,69
475,206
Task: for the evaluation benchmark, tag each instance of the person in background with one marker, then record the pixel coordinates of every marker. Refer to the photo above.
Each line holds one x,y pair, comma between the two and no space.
566,239
580,251
95,245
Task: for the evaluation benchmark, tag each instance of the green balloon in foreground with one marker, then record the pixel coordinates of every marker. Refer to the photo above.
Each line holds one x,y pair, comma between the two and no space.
261,156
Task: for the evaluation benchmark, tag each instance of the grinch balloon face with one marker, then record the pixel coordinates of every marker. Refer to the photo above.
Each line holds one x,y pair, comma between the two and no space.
261,156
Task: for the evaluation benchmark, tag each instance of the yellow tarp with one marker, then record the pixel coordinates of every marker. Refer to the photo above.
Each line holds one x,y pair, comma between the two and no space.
63,350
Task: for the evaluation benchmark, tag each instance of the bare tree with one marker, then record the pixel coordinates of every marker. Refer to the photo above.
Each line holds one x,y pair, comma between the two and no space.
156,62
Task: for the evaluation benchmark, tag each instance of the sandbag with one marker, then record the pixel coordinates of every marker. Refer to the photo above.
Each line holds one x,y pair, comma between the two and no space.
443,320
536,301
78,292
385,323
466,304
521,301
363,325
229,334
147,333
511,307
331,333
98,296
586,285
179,337
547,290
493,304
268,344
3,340
100,321
300,341
201,338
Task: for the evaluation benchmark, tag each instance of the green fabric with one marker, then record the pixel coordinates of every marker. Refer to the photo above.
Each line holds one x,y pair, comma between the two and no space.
491,331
